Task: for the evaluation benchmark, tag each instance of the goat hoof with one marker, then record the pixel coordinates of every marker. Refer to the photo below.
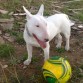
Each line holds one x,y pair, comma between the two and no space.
27,62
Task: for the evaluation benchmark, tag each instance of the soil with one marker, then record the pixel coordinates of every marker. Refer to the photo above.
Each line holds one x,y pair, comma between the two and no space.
33,73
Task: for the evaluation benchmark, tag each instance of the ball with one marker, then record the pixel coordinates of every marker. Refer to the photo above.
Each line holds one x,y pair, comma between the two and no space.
57,70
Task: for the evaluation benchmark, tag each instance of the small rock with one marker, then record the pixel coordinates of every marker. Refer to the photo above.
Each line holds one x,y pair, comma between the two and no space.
21,23
75,28
3,60
10,39
1,40
11,13
5,37
80,26
6,23
24,67
41,54
73,50
3,11
4,66
7,34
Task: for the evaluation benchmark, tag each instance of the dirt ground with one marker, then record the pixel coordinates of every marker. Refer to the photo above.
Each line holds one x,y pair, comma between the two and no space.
33,73
15,73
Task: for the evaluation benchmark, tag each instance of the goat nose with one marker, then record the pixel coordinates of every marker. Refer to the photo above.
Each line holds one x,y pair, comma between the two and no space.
46,40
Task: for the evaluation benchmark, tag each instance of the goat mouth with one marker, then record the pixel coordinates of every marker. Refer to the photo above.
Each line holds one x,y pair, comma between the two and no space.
41,43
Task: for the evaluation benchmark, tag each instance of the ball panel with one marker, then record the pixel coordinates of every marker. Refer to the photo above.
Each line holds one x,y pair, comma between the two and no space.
47,73
51,80
58,69
67,74
49,76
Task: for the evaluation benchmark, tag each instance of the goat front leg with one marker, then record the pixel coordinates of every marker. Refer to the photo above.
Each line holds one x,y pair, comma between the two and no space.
46,52
29,50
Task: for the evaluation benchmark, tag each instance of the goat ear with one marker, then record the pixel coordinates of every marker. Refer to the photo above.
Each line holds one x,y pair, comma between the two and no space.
28,14
41,10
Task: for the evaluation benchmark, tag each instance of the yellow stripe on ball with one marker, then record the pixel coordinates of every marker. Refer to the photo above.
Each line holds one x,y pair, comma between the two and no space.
53,68
57,70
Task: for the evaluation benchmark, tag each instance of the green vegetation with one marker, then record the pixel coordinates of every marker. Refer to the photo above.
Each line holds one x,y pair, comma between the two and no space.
19,39
18,36
60,50
75,4
35,59
25,55
13,61
79,16
5,16
74,9
6,50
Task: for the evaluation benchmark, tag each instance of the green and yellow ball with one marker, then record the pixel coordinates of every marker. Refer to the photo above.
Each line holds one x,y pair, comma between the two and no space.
57,70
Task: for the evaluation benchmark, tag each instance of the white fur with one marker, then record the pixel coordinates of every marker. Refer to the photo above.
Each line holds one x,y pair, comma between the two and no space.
48,28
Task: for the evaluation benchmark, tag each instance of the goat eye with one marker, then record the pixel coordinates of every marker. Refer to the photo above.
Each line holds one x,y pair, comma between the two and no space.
37,25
